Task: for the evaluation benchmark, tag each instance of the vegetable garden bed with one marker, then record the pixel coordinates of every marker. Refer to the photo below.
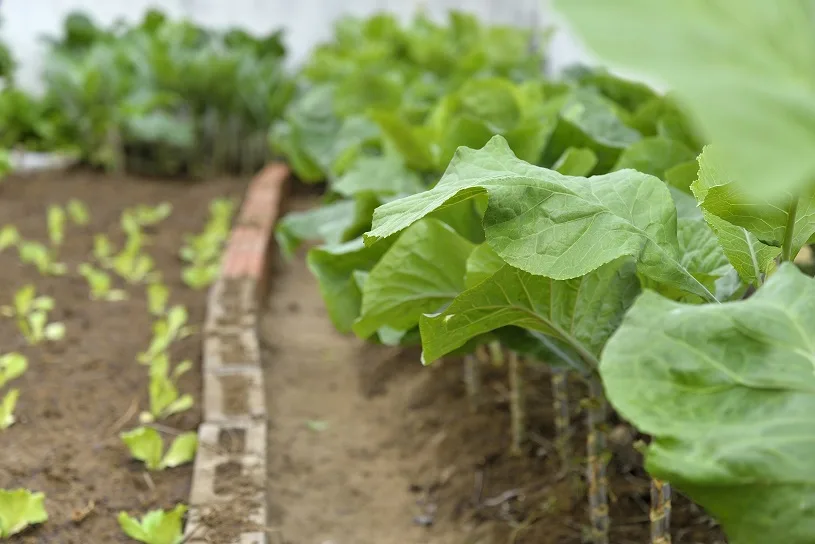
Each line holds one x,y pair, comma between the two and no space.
79,393
383,451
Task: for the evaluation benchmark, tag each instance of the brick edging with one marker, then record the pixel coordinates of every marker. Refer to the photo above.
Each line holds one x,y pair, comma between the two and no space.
232,436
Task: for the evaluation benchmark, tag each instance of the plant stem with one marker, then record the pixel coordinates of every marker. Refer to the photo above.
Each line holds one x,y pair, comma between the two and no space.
496,353
786,247
563,430
660,512
517,407
472,380
596,469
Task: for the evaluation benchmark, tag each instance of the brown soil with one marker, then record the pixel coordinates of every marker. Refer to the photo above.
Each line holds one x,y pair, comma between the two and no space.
79,393
368,447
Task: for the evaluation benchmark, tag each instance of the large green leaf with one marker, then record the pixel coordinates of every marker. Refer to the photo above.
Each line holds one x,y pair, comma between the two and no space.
654,156
422,271
412,142
727,392
751,259
590,120
383,176
581,313
553,225
742,67
768,220
333,223
482,264
334,268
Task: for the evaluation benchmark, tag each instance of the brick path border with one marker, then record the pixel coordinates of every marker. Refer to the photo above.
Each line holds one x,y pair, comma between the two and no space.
232,435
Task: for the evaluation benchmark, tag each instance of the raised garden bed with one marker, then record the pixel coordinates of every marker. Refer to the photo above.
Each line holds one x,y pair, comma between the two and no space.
79,393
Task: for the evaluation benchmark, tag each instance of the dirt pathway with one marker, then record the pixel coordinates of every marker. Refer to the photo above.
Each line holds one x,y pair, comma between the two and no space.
334,469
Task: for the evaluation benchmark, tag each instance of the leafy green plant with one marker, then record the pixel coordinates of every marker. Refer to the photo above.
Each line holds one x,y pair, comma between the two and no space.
157,296
12,365
19,509
166,330
103,250
101,284
203,250
156,527
9,236
78,212
165,399
145,444
40,256
31,313
56,225
131,263
7,406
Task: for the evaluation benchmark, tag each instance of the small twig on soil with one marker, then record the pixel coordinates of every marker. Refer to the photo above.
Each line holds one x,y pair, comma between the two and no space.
506,496
478,488
166,429
79,515
119,423
149,481
192,534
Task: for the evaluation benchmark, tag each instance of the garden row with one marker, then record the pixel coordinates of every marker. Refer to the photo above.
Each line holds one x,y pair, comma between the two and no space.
114,273
585,224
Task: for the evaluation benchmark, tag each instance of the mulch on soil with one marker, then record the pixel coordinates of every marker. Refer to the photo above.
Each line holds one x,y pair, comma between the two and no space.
79,393
399,458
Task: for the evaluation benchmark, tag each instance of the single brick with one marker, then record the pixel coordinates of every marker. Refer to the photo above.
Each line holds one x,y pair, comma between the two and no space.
230,349
234,395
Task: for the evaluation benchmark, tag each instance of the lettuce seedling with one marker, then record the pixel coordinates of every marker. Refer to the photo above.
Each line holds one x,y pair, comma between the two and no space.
200,275
157,296
164,396
40,256
145,445
9,236
56,225
31,313
101,284
78,212
7,406
12,366
130,263
165,331
146,216
103,250
20,508
156,527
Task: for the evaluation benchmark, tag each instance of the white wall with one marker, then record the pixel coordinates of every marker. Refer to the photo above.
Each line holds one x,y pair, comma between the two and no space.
306,21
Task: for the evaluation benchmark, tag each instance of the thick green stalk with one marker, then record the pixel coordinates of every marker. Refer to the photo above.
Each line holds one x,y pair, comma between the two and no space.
472,381
596,469
517,403
660,512
786,247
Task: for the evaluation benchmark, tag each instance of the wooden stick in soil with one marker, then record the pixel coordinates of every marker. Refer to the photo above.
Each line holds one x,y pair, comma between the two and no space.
596,469
517,408
660,512
472,381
